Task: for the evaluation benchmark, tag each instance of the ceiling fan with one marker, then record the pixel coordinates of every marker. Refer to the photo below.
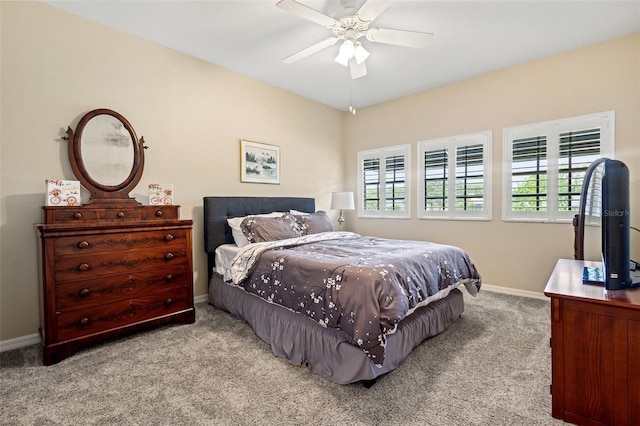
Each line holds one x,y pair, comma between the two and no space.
350,29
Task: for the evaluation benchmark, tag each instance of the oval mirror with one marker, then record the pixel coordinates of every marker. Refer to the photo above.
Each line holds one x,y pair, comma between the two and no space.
107,150
106,156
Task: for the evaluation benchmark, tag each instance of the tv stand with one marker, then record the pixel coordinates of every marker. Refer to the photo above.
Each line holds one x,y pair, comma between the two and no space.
595,349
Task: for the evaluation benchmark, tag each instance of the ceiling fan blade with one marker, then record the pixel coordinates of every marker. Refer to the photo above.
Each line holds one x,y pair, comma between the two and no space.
371,9
306,12
357,69
310,50
399,37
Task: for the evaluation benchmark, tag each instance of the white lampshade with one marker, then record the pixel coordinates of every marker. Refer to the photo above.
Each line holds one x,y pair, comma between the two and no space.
346,52
360,53
342,201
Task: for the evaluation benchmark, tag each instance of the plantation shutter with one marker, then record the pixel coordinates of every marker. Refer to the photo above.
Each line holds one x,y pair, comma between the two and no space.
546,163
455,177
529,174
436,183
395,183
577,150
384,182
371,184
470,177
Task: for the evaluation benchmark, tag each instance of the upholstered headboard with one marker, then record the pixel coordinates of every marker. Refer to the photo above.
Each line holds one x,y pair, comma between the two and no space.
218,209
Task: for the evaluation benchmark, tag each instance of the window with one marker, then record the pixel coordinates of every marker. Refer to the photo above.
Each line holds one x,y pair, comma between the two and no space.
545,165
454,179
384,180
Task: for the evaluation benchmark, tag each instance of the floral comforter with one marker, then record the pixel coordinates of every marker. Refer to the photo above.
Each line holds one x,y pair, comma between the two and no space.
361,285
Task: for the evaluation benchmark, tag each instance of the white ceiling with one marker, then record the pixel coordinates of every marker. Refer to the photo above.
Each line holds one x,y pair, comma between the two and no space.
252,37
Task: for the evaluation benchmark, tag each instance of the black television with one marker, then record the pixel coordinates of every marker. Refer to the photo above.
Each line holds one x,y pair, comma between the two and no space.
611,193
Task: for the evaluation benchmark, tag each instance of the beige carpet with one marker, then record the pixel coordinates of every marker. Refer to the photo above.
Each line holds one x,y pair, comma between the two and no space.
492,367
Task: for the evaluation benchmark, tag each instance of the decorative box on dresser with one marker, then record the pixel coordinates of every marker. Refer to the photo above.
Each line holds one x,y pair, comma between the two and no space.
107,271
595,355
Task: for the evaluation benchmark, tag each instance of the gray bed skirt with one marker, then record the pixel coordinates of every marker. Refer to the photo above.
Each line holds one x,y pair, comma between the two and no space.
327,352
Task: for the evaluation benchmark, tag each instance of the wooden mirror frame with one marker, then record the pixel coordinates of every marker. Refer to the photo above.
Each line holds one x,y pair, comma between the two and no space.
100,193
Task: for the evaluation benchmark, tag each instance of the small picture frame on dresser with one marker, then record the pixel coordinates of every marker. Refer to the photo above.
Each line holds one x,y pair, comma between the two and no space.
160,194
63,192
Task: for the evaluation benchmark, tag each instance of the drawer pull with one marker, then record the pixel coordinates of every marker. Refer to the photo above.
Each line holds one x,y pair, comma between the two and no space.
159,213
169,237
83,322
121,214
84,267
77,215
168,302
83,244
84,292
169,277
169,256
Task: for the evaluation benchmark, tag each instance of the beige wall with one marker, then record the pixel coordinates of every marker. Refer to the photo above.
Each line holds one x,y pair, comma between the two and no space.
56,66
598,78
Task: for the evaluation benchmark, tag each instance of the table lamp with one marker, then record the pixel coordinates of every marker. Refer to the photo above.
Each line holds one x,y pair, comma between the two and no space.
342,201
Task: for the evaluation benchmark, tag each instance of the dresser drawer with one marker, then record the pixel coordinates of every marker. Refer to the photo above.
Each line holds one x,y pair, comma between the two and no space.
70,214
89,267
82,322
159,212
88,213
80,294
141,213
89,244
83,214
120,214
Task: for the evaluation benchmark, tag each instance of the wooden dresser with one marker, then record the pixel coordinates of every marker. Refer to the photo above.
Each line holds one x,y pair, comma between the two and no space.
595,340
107,271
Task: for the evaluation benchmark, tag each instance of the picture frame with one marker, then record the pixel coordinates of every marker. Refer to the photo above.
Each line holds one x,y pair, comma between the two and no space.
63,192
260,162
160,194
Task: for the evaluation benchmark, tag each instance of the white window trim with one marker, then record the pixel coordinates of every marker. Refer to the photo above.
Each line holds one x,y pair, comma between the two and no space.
552,129
485,138
382,153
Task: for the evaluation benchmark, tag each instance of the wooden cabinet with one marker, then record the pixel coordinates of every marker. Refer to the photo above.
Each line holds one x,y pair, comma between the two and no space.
107,271
595,336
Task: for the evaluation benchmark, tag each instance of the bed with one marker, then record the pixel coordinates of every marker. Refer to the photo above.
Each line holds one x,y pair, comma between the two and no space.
332,346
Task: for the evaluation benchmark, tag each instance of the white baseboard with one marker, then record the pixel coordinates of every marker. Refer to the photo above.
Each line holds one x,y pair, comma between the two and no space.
19,342
514,291
201,298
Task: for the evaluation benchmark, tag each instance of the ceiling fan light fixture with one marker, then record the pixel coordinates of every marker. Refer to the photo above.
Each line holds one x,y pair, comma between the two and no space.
348,48
349,29
342,60
360,53
346,52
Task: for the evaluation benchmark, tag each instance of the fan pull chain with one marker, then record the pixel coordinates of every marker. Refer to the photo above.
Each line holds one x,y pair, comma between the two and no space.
352,109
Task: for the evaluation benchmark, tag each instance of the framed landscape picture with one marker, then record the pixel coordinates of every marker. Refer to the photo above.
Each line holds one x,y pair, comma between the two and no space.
260,163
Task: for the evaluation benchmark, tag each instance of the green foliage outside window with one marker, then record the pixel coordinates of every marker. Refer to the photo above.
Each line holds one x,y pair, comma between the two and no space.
531,194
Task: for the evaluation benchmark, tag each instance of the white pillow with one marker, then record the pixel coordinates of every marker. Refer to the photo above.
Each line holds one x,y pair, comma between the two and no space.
298,212
234,224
